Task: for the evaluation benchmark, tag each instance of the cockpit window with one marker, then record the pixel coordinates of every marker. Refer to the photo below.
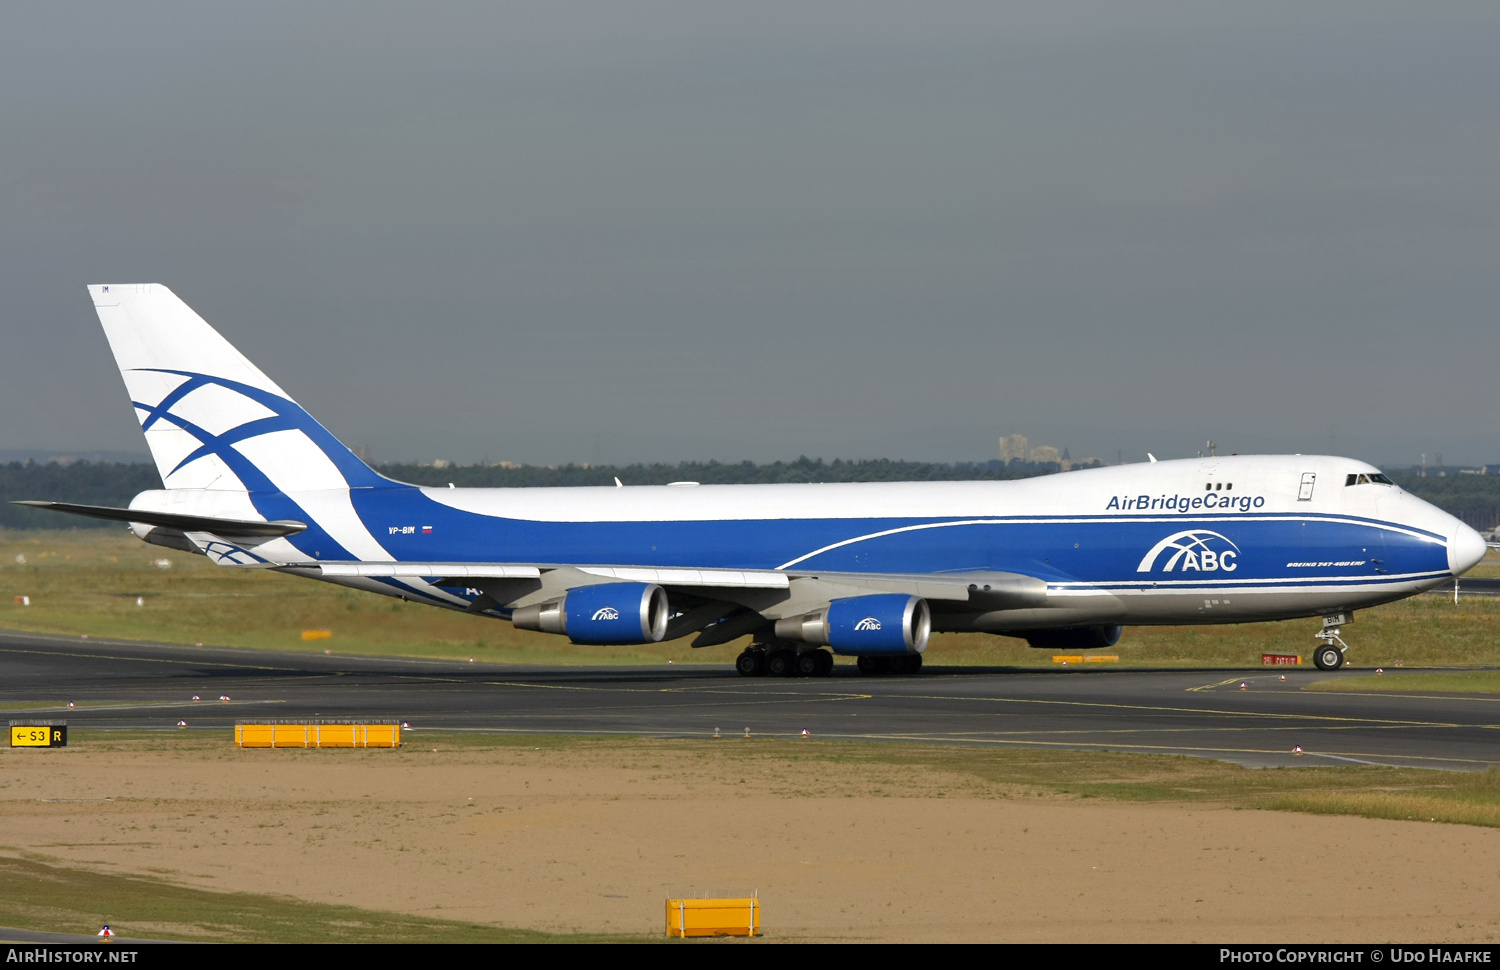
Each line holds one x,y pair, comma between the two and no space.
1377,479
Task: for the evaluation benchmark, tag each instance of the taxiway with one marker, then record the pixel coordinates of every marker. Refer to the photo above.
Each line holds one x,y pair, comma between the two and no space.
1199,712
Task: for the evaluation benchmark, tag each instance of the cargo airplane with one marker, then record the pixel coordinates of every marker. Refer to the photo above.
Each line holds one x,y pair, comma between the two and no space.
252,481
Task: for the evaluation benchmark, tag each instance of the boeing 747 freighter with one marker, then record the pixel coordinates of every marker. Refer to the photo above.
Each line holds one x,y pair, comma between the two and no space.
252,481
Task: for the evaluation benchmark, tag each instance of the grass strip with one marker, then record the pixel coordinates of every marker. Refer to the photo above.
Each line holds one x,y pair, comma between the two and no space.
35,895
1456,806
789,767
1471,798
1442,682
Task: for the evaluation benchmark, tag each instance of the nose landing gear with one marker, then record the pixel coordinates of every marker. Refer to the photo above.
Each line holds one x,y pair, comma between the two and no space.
1329,654
1328,657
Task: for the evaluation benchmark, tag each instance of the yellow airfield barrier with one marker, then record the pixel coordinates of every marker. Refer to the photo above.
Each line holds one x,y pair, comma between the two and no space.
713,917
316,734
1109,658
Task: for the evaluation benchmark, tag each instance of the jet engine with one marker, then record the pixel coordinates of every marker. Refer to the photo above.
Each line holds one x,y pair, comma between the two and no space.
1078,637
608,613
885,624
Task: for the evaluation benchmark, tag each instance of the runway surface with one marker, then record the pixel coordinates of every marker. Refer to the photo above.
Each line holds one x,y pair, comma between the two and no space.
121,685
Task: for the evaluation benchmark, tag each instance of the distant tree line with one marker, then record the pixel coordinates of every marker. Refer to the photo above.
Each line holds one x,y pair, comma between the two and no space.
1473,498
82,482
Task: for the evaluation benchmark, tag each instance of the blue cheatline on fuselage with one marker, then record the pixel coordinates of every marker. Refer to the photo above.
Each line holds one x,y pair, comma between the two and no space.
1095,551
1100,551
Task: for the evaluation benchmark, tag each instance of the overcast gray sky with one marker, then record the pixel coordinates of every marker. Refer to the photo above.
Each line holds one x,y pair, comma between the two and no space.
655,231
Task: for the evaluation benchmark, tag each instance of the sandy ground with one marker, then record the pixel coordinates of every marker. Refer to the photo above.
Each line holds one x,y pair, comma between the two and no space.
597,839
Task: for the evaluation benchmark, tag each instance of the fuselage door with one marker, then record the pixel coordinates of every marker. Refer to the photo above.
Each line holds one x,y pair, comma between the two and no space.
1305,490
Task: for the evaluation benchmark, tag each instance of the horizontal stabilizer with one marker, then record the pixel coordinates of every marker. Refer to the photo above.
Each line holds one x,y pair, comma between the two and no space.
172,520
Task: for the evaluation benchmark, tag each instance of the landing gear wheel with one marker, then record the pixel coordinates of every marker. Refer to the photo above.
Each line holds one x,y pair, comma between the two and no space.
751,663
780,663
1328,657
874,665
807,664
825,663
908,663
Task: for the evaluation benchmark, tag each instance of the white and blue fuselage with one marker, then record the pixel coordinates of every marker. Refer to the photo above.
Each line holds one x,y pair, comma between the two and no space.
1220,539
252,480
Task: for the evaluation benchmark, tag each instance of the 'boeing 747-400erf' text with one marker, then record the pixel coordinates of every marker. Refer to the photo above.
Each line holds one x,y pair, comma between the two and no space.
868,570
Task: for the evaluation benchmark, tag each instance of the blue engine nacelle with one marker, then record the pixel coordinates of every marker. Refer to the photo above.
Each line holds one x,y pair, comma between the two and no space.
883,625
609,613
1078,637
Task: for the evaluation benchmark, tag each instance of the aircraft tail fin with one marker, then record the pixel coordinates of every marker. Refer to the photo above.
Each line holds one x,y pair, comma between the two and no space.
212,419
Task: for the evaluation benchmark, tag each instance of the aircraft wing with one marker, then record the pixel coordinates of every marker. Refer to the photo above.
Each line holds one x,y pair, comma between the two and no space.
441,573
743,611
988,589
984,589
718,604
718,601
454,574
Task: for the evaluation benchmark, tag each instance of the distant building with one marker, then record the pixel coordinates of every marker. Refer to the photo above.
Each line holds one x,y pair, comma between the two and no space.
1046,455
1013,447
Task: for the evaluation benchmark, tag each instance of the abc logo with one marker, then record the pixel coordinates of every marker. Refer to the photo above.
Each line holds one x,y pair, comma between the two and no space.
1192,551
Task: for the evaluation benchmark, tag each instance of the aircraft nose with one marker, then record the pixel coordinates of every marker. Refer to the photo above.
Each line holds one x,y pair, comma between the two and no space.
1465,548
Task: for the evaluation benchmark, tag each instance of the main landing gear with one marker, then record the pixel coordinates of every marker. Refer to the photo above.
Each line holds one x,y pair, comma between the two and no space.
782,660
1330,653
908,663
